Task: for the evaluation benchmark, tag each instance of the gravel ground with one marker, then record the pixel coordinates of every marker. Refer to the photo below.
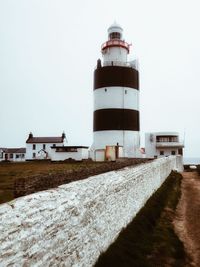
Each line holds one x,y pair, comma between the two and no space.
187,219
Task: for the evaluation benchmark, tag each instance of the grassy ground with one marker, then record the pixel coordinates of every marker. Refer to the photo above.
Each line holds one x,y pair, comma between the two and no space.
9,172
149,240
42,175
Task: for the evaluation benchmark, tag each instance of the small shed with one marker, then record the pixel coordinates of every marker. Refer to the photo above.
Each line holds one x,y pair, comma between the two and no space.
60,153
12,154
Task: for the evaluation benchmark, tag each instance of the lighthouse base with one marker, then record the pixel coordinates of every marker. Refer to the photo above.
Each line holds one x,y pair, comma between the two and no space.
127,144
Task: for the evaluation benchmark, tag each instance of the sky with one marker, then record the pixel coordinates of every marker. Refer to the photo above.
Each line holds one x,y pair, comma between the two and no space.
49,49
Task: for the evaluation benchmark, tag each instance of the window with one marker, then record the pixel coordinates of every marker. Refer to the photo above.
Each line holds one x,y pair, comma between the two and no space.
19,156
115,35
180,151
161,153
166,138
11,156
34,155
66,149
54,145
105,89
151,138
125,92
1,155
173,152
34,146
44,146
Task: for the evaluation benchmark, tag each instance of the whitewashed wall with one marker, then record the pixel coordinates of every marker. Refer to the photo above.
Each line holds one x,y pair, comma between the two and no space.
128,139
72,224
20,159
38,148
85,153
116,97
150,145
80,154
115,54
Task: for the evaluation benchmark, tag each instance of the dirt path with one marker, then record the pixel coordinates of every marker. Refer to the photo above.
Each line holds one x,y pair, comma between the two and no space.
187,220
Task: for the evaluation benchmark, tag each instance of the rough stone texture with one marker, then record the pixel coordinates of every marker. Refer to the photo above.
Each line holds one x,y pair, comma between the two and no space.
72,224
36,183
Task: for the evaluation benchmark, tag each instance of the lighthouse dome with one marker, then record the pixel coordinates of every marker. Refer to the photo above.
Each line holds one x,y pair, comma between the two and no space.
115,31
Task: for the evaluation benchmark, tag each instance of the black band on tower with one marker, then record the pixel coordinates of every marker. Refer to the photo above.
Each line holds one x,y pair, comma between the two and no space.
116,76
116,119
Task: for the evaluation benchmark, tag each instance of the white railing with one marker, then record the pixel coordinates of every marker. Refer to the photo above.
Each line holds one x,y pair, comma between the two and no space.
116,63
115,43
169,144
119,63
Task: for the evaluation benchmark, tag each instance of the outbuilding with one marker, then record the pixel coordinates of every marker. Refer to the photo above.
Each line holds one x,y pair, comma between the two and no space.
12,154
39,148
61,153
162,144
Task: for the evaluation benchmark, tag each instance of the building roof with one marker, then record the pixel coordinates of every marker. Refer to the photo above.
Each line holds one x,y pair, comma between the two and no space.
14,150
66,149
52,140
115,27
70,147
164,133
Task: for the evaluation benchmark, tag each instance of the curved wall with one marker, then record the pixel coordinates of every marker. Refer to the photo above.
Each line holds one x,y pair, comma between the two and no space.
115,54
116,97
116,119
116,76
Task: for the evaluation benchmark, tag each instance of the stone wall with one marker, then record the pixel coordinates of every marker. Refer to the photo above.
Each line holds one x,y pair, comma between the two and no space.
35,183
72,224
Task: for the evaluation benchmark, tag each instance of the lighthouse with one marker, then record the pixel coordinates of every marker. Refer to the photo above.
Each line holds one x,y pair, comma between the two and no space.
116,100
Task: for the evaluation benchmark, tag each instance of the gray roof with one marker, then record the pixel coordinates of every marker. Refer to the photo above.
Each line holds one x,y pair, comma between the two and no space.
44,140
14,150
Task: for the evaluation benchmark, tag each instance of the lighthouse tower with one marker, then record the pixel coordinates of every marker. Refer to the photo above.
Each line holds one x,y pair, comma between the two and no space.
116,99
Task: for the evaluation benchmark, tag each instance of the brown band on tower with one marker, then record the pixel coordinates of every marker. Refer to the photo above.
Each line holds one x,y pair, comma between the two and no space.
116,76
116,119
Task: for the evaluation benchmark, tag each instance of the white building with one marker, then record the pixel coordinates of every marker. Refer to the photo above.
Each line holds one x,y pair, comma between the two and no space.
61,153
12,154
116,100
162,144
40,147
53,148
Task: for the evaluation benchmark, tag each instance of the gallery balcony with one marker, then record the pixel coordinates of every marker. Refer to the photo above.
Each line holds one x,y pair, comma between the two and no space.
169,144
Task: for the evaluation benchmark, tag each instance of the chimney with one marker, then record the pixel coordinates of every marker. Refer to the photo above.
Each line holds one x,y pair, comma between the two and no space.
63,135
30,135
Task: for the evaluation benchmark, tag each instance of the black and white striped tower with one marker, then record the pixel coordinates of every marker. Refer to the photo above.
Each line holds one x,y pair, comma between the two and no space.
116,97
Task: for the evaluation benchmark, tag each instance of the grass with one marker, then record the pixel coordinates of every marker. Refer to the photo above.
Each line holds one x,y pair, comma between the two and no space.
10,171
149,240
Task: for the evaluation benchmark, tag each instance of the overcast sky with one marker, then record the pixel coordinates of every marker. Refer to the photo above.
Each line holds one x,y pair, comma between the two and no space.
49,49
